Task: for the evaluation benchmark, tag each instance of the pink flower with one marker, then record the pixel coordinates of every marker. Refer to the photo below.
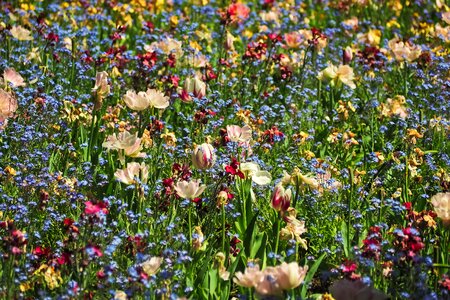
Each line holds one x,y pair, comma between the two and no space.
238,12
92,209
8,105
10,75
239,134
189,190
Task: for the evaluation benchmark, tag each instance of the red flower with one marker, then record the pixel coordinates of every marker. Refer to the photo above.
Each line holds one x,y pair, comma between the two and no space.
233,168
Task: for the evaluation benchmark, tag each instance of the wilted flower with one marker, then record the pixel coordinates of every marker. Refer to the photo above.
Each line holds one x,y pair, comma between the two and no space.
441,203
10,75
404,51
345,289
132,171
257,175
8,105
198,241
151,266
343,74
101,88
203,156
446,17
239,134
21,33
293,230
129,143
281,198
189,189
167,46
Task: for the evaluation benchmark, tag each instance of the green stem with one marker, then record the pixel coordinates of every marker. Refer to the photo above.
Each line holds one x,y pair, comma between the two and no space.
223,228
277,241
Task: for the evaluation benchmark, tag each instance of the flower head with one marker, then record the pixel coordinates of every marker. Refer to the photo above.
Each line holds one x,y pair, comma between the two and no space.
441,203
342,73
239,134
189,189
203,156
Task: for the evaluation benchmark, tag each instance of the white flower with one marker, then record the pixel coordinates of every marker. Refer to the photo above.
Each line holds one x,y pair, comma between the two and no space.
258,176
151,266
239,134
189,190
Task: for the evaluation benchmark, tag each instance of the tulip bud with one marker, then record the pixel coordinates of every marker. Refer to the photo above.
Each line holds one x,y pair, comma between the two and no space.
347,55
203,156
281,199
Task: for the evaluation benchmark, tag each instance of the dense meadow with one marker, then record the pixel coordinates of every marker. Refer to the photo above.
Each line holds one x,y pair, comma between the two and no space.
210,149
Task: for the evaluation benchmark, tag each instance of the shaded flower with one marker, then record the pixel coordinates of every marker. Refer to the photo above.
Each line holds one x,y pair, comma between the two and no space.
152,265
347,290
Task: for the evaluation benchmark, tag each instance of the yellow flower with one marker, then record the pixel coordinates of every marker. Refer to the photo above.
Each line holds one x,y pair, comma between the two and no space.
343,74
20,33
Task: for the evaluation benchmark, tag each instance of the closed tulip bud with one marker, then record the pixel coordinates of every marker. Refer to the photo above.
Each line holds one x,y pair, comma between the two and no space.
281,199
347,55
203,156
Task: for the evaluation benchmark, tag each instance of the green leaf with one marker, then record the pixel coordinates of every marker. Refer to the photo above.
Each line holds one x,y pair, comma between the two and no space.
344,231
310,275
213,278
250,233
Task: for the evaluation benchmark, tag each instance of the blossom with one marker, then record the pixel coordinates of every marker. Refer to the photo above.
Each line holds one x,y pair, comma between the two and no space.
167,46
203,156
132,171
342,73
8,105
10,75
404,51
126,143
238,12
20,33
239,134
257,175
144,100
293,230
441,203
101,88
151,265
446,17
281,198
189,190
250,278
290,275
272,280
194,86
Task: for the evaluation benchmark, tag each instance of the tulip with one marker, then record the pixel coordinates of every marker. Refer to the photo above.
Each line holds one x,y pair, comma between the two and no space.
203,156
281,198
